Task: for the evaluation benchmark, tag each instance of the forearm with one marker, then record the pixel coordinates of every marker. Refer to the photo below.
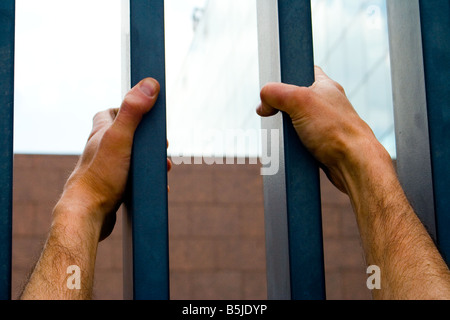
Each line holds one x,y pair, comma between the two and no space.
72,241
86,212
392,235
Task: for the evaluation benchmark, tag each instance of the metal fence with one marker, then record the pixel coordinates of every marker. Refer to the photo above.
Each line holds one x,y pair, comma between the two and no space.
420,55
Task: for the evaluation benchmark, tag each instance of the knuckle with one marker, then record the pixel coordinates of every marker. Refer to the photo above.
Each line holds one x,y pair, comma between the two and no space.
97,116
102,115
304,96
131,106
110,136
265,91
338,86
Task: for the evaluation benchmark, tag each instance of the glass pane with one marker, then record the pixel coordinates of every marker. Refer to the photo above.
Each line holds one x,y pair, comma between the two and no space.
212,78
68,67
351,45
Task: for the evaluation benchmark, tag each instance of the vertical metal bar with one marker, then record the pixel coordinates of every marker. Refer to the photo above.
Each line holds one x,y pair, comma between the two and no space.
7,27
420,50
276,226
294,245
435,24
410,108
146,260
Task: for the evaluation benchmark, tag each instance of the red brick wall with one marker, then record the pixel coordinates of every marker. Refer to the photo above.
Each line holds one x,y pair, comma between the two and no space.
216,228
217,232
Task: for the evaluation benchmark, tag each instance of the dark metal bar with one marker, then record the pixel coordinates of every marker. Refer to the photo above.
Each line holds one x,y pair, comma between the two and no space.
302,173
410,108
420,54
146,259
435,24
294,242
7,27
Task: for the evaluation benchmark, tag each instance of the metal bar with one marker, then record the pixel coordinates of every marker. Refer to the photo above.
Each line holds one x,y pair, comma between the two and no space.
420,53
294,245
410,108
7,27
146,258
435,24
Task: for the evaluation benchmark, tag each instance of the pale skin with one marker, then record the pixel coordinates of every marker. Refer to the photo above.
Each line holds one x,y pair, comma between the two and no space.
393,238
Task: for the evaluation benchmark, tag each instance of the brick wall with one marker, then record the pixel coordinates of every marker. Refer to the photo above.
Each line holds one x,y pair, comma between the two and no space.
216,230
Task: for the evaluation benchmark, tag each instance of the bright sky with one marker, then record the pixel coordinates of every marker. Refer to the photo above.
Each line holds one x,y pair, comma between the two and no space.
69,64
68,67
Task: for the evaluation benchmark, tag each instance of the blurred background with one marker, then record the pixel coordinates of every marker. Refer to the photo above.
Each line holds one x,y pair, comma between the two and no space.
71,62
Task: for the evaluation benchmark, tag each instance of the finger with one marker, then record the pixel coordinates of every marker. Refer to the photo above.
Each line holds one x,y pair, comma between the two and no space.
138,101
322,77
320,74
288,98
169,162
105,117
169,166
264,110
102,120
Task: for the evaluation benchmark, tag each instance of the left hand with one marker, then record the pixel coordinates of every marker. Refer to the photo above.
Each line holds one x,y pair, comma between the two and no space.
97,184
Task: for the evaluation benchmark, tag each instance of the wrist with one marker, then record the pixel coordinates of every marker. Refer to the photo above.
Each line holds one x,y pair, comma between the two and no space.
367,164
75,216
370,180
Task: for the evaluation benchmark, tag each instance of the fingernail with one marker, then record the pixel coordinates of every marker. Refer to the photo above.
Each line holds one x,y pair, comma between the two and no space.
148,87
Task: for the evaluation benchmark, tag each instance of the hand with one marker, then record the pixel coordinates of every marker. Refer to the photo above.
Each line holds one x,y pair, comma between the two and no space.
393,237
86,211
326,123
98,182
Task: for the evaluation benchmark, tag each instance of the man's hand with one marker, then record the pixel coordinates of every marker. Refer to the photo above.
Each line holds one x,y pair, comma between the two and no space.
86,211
393,237
326,122
99,179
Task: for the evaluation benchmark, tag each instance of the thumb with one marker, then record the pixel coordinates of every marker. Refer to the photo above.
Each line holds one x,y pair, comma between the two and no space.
283,97
138,101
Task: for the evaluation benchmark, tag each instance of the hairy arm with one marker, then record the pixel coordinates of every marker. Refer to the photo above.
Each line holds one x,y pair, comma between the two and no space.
86,211
393,237
72,242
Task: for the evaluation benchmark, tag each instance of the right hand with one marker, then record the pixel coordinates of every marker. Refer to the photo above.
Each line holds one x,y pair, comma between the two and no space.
326,123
